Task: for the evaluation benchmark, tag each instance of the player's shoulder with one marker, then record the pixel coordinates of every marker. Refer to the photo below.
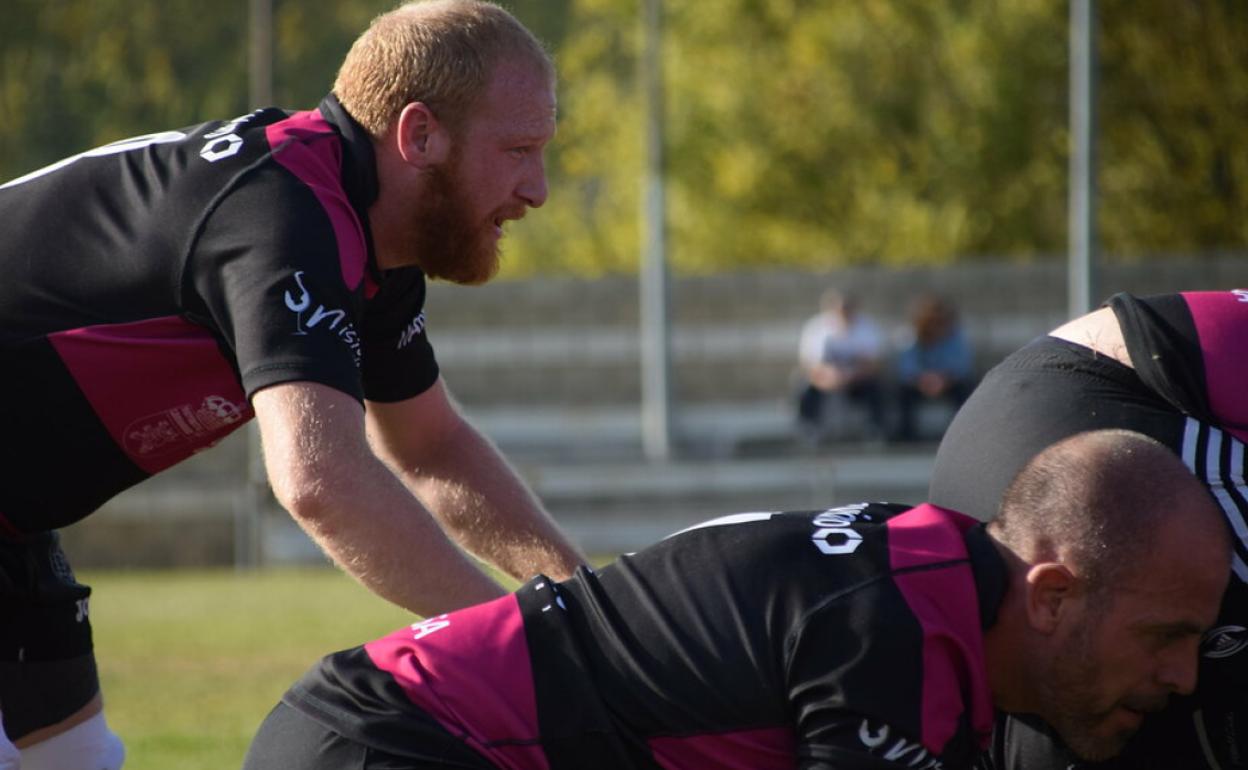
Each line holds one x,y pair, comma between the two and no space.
803,540
280,150
862,514
1214,308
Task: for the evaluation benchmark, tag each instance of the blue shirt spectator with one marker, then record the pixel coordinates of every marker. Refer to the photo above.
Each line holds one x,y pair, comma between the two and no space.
950,355
937,365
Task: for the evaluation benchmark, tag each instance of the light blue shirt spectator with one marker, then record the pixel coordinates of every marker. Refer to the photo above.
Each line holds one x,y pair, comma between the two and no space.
951,356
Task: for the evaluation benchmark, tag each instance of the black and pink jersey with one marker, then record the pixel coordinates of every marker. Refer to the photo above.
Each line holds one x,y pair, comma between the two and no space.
1187,387
1192,349
846,638
154,284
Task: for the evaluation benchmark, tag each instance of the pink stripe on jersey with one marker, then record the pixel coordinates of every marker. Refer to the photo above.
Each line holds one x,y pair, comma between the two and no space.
765,749
318,164
946,605
161,387
1221,319
470,671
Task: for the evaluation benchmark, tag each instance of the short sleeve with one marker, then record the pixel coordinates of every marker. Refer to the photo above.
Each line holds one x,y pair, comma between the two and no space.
856,683
268,271
842,661
852,741
399,361
810,343
1192,348
1221,320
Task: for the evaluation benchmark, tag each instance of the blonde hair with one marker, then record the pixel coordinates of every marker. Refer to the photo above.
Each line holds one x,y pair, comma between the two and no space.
440,52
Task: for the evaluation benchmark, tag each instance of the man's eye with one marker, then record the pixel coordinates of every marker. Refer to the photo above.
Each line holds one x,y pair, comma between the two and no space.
1165,637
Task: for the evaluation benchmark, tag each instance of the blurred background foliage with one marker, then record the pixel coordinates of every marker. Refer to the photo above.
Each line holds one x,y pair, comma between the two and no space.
801,133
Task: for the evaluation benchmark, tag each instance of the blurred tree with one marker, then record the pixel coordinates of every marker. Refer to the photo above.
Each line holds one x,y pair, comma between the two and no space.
79,73
1174,104
800,132
811,133
894,132
590,224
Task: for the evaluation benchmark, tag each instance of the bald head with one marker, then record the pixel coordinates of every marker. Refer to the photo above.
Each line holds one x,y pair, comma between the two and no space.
1099,500
1119,557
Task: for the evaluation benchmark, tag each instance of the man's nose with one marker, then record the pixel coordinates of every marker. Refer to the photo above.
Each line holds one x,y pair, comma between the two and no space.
533,189
1177,670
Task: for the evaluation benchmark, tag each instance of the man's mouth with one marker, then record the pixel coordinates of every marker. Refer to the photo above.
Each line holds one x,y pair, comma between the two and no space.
1145,704
502,219
1132,717
1133,711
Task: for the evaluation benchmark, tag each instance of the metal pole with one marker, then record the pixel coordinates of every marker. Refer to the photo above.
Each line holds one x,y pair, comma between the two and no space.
656,402
1081,284
249,508
260,53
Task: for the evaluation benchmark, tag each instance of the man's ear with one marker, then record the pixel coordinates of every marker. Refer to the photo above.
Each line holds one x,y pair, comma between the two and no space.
422,139
1052,590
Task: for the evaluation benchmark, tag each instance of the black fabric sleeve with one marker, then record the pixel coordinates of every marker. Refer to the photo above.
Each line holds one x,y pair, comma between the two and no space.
1165,349
854,742
850,677
398,359
266,270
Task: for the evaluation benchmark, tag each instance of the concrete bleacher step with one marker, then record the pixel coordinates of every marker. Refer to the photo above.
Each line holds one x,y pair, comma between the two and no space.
578,433
615,507
607,506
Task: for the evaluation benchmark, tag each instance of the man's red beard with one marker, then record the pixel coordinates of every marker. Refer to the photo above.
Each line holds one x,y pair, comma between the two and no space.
447,243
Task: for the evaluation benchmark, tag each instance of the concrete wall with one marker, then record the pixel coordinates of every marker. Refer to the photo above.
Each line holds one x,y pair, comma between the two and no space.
571,343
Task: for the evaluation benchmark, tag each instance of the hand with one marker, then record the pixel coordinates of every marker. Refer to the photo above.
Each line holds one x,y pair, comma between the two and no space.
932,384
828,377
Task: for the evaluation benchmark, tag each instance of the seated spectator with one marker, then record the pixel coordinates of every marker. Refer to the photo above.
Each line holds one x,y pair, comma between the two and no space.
841,351
936,365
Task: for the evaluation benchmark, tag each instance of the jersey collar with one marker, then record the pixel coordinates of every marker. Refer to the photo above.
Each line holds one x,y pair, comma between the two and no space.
990,573
359,164
359,170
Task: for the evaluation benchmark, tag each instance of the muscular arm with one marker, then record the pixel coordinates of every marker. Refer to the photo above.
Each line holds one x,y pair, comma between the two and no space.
323,472
462,478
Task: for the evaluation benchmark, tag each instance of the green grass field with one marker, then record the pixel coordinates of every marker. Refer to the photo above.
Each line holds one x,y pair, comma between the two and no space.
191,662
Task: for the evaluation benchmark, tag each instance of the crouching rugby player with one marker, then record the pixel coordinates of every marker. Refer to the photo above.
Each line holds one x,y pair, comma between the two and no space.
869,636
1173,367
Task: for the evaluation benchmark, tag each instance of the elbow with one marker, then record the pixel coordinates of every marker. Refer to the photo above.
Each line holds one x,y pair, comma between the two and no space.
307,496
300,502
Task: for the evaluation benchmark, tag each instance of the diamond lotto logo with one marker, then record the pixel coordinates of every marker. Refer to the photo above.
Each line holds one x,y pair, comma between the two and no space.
1224,641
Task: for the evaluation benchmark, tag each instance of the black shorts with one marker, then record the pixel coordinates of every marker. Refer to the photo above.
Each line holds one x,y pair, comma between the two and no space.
1047,391
47,668
289,739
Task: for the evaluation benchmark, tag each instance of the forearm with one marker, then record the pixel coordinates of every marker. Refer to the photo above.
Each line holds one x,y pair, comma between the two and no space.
379,534
489,510
323,472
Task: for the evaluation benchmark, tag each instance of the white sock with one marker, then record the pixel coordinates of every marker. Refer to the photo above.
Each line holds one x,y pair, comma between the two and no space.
9,758
87,746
